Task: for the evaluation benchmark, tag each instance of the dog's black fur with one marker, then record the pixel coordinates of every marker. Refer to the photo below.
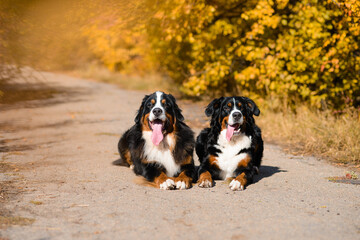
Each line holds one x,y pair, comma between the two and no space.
206,143
132,144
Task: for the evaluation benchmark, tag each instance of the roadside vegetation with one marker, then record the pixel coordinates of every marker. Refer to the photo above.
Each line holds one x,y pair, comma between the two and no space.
314,132
299,60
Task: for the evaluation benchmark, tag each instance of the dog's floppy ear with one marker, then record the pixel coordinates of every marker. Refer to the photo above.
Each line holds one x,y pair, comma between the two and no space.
213,107
141,109
177,110
252,106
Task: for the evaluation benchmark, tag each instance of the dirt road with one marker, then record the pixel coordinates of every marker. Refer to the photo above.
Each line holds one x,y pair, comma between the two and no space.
59,181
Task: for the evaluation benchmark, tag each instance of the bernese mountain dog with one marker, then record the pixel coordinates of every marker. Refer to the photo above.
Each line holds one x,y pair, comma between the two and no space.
232,147
160,145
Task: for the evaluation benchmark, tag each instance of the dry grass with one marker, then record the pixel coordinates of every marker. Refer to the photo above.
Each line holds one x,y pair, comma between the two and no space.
315,133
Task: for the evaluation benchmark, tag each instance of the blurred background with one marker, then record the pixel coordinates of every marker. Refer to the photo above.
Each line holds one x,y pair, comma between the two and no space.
290,56
292,51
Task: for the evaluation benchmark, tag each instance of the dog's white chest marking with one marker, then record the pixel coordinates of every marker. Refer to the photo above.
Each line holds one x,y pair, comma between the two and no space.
229,158
161,154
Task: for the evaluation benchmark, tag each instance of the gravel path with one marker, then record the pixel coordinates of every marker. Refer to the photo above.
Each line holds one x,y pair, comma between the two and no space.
58,181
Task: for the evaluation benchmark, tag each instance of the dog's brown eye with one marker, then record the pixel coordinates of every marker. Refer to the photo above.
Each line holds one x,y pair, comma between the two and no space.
149,105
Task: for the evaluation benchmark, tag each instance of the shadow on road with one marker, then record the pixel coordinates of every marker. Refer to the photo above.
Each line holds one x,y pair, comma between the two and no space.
35,95
267,171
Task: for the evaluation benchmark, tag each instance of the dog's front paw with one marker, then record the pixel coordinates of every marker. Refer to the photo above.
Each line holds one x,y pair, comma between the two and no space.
169,184
205,184
205,180
183,181
181,185
235,185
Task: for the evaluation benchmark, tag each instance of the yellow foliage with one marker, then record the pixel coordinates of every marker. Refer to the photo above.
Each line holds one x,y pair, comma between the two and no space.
301,50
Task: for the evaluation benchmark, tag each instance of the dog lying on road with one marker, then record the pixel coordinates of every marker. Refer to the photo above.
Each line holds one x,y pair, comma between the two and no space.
232,147
160,145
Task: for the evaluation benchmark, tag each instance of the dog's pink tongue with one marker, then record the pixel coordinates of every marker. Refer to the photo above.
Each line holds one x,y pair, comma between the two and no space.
157,135
229,132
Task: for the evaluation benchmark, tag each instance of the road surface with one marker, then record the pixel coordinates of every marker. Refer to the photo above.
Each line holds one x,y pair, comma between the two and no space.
58,181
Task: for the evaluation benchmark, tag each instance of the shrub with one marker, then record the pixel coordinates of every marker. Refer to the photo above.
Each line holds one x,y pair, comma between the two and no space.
295,50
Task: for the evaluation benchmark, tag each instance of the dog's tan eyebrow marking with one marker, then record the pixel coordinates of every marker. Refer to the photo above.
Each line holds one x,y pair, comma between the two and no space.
229,104
153,101
239,104
163,101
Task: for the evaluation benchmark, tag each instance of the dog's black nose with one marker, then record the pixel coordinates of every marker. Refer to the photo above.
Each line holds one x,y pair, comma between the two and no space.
236,116
157,111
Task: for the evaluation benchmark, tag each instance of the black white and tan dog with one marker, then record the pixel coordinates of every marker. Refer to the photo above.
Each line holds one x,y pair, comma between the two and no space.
232,147
160,145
